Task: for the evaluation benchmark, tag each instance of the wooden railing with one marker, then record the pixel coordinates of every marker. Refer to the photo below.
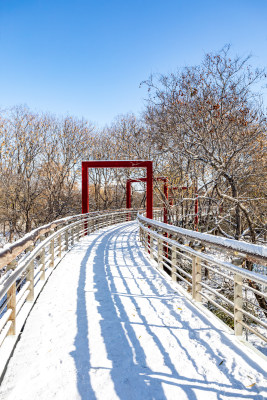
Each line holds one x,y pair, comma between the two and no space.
26,265
218,272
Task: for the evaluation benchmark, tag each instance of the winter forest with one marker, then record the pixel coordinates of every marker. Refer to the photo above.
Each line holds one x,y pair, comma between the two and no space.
204,127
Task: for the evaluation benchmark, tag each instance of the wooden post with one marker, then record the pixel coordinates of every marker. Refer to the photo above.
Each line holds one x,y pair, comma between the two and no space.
52,253
12,265
140,234
59,246
85,226
72,236
78,232
238,304
151,247
174,262
196,278
147,240
160,254
11,304
30,278
66,240
42,261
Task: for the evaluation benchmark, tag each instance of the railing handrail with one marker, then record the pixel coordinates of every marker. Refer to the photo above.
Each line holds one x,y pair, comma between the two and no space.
11,250
34,253
228,290
23,278
250,250
262,279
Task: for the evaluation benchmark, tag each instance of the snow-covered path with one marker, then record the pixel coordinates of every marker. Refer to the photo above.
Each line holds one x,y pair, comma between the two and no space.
109,326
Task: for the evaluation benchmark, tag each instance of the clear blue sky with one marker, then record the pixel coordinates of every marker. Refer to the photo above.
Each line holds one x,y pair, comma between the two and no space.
87,58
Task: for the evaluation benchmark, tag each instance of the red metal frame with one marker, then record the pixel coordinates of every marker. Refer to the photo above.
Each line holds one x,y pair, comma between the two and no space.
129,192
118,164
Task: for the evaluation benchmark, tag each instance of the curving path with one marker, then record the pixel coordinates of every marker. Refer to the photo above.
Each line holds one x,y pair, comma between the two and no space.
109,326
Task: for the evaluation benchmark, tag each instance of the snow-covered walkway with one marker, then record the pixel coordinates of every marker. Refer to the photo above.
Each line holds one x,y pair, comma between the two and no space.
108,326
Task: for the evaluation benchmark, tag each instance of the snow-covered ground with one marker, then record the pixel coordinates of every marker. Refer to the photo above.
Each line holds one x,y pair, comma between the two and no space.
109,326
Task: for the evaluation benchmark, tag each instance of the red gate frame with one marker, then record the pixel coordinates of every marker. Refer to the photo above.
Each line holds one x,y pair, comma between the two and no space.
129,192
118,164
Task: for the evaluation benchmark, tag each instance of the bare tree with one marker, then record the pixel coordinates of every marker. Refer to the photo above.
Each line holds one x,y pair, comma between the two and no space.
40,160
210,116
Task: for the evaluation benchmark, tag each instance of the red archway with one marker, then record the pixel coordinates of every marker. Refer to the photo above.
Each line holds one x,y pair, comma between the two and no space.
118,164
129,192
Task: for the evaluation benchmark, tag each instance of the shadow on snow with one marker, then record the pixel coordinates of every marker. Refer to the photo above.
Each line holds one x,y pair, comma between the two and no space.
131,376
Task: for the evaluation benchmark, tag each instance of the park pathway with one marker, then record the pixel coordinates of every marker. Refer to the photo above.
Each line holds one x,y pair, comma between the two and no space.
109,326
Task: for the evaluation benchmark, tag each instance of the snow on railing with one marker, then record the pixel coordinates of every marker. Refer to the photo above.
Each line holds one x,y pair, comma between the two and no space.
26,265
204,264
218,272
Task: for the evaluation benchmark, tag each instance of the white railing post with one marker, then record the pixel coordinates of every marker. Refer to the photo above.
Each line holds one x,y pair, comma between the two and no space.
196,278
238,304
11,304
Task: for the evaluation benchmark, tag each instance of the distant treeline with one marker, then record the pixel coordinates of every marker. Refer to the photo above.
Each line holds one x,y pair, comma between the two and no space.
203,127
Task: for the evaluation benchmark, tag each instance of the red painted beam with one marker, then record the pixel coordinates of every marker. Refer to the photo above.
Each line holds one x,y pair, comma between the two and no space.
179,187
129,190
158,178
128,194
85,189
118,164
149,191
137,180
